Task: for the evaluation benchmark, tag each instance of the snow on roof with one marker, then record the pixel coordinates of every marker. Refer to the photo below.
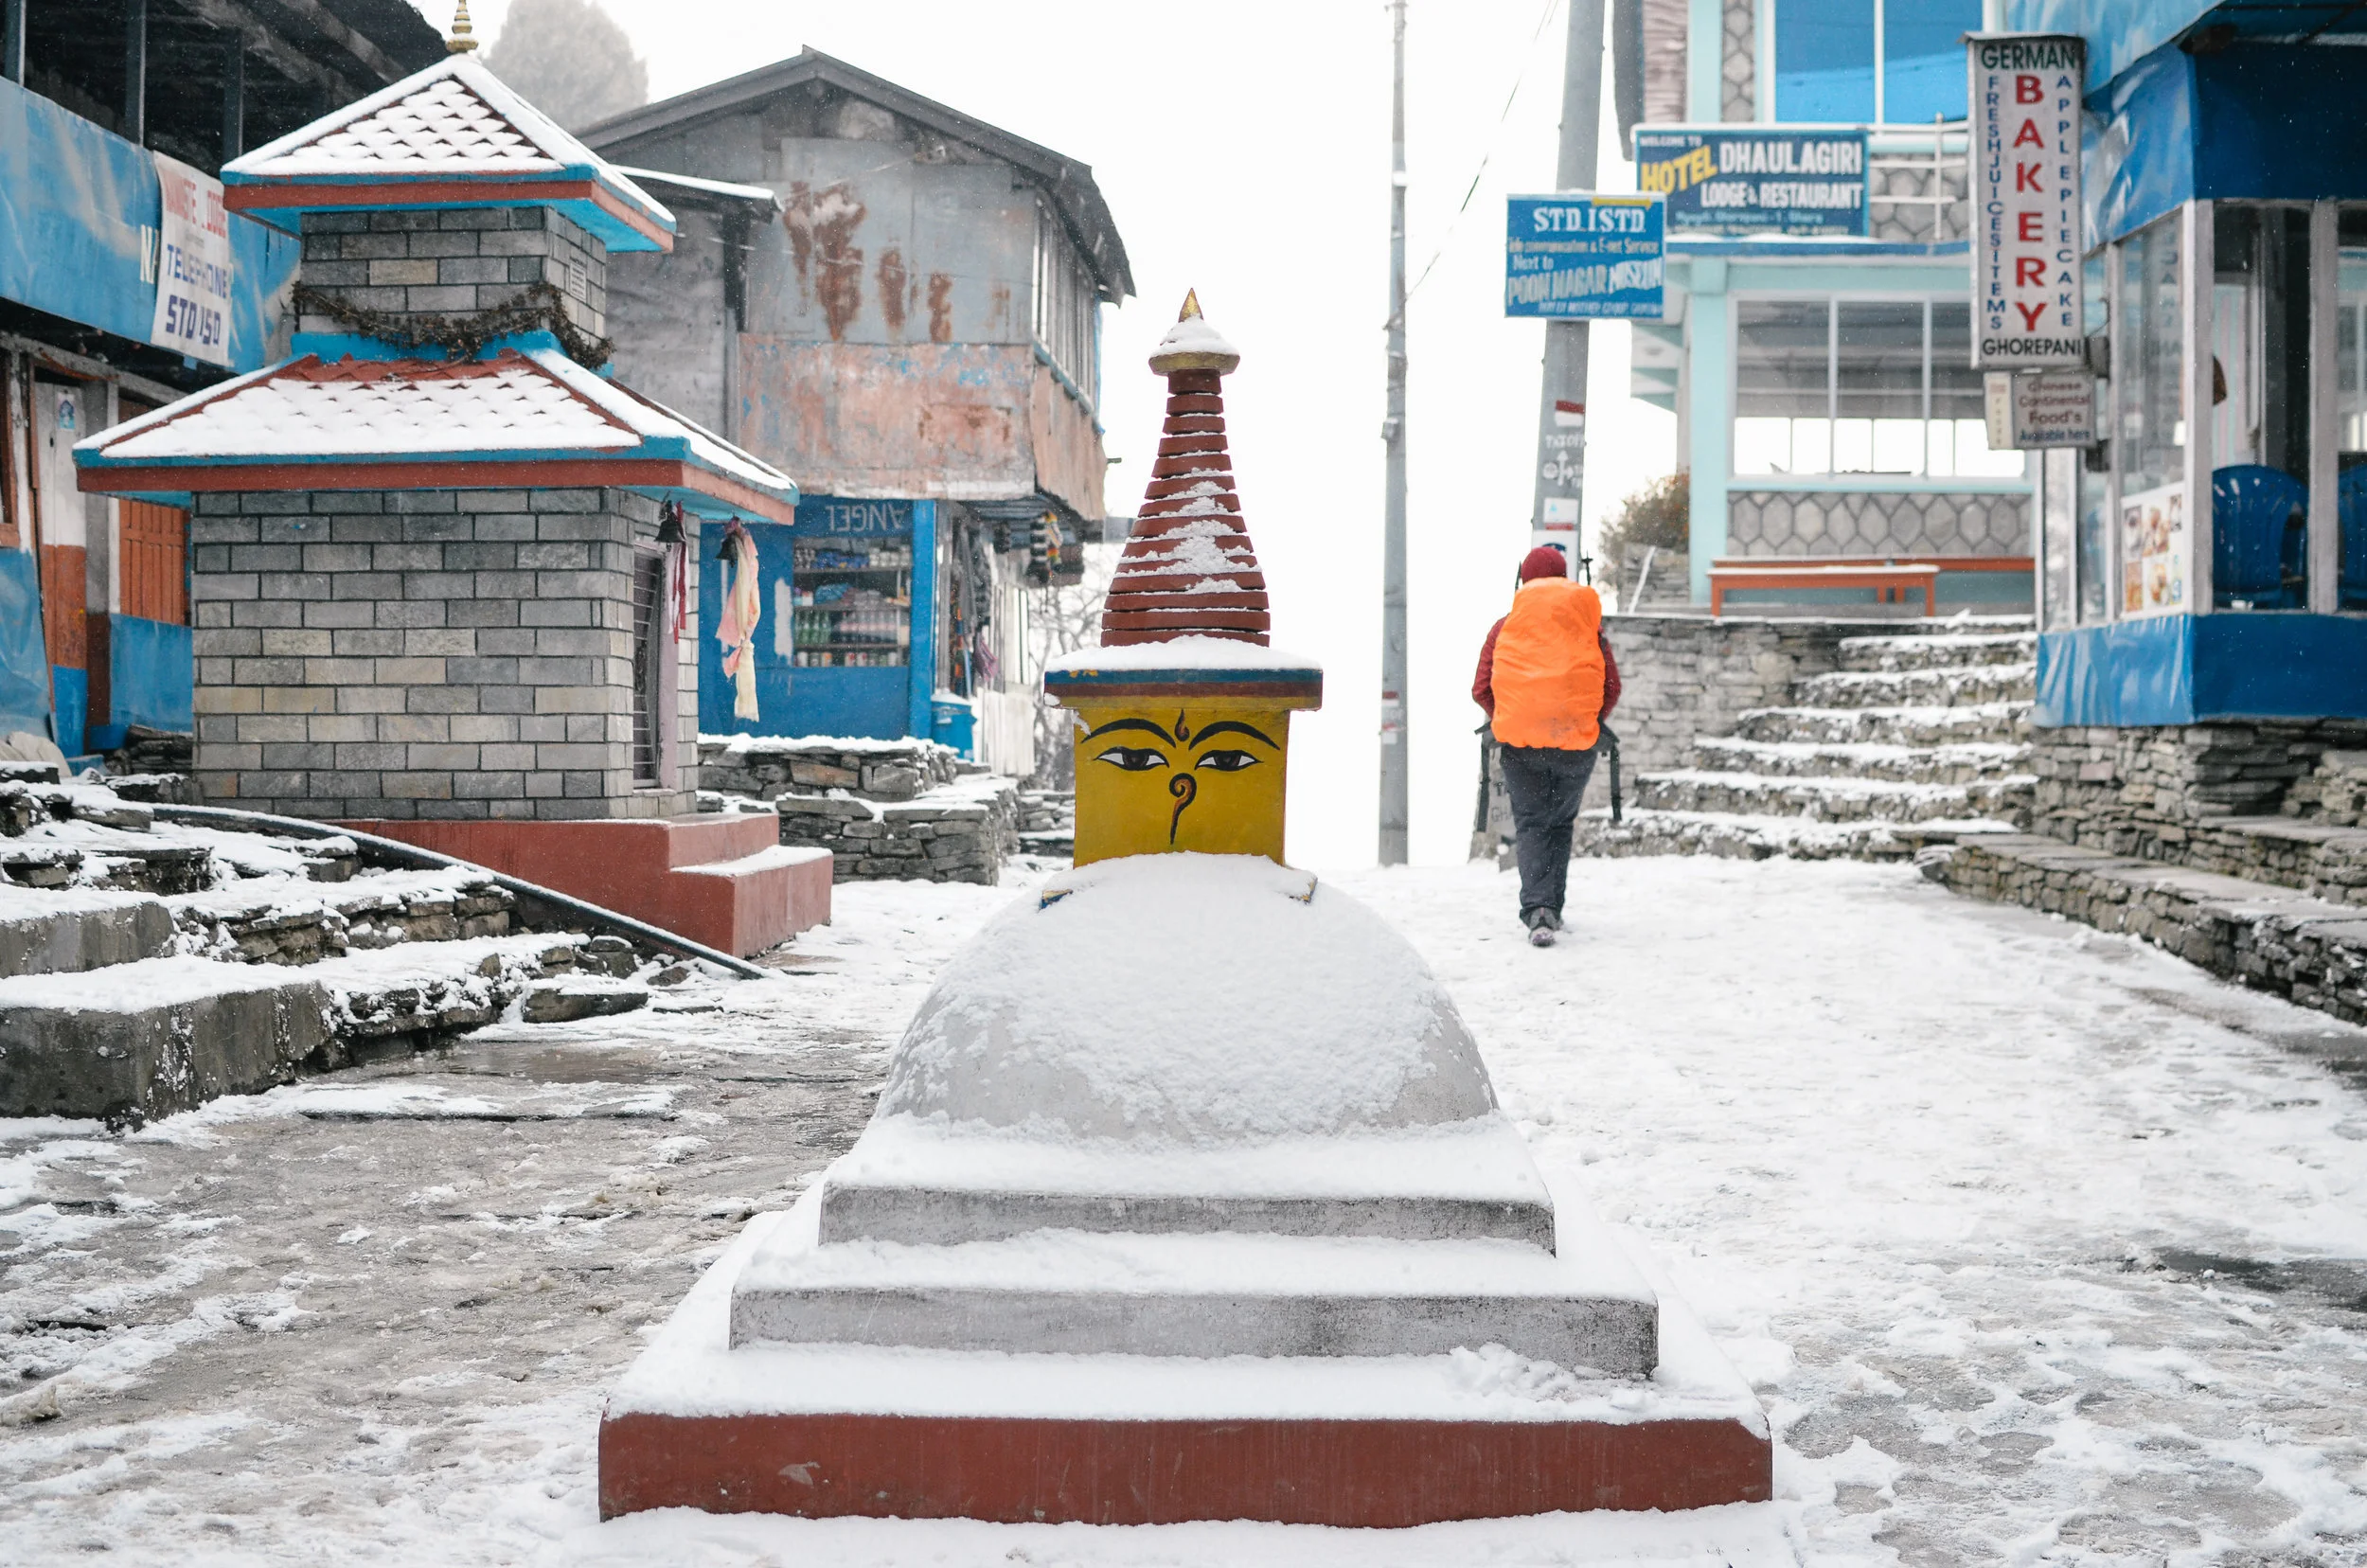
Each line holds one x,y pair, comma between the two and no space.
453,120
1189,653
519,405
377,407
1193,336
713,188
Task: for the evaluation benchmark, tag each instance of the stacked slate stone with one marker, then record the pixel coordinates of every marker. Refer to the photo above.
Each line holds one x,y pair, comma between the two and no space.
1189,569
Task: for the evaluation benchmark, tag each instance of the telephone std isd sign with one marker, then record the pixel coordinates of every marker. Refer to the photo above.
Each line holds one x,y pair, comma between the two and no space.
1576,256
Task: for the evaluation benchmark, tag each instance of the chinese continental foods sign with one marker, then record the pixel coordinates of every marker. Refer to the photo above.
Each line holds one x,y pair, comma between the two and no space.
1805,182
2025,192
1576,256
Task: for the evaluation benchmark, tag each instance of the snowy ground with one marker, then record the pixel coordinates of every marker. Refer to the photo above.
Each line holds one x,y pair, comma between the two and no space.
1946,1178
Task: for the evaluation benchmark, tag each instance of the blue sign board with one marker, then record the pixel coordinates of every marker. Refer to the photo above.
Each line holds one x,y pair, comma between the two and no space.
1579,257
1800,182
838,517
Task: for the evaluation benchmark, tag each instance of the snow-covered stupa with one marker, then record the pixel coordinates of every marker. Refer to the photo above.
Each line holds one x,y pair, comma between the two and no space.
1187,1195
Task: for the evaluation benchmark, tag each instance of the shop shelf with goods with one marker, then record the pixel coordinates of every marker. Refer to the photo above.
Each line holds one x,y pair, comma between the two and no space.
852,604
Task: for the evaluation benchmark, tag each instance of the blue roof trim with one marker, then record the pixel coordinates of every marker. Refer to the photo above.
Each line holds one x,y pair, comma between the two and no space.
1837,248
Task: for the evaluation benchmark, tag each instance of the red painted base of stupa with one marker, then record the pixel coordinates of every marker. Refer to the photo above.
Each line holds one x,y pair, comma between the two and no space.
854,1431
1364,1473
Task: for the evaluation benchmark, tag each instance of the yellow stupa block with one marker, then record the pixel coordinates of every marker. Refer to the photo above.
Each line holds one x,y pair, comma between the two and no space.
1156,778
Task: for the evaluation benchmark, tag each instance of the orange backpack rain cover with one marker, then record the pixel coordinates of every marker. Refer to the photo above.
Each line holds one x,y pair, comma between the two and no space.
1548,673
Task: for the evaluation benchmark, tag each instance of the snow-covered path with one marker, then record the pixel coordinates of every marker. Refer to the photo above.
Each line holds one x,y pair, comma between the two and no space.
1945,1177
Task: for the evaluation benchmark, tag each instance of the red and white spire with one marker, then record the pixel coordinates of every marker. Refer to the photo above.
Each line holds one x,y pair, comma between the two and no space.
1189,569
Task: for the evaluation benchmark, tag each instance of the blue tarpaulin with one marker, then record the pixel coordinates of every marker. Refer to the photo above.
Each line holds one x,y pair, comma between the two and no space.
24,661
78,212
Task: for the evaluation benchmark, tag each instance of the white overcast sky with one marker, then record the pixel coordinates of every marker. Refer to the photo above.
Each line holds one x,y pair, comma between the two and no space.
1244,150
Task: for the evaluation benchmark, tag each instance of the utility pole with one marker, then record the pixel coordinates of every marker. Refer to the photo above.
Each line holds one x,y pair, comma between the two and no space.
1561,407
1393,732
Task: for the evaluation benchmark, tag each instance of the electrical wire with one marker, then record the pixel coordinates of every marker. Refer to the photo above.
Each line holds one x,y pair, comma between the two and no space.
1528,58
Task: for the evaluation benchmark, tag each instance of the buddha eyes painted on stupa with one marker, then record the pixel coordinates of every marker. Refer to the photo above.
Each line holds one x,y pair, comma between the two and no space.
1186,744
1134,758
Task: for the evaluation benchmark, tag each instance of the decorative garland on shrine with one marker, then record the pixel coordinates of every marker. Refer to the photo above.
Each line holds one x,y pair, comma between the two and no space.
538,306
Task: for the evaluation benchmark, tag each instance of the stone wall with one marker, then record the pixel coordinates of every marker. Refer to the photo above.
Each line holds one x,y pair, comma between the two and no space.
2144,791
427,653
452,263
885,809
2275,802
1683,676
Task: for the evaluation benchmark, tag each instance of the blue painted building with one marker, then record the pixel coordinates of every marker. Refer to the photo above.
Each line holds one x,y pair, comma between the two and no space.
2208,563
100,102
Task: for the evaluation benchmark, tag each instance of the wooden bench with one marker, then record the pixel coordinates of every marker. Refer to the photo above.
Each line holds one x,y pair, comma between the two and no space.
1891,576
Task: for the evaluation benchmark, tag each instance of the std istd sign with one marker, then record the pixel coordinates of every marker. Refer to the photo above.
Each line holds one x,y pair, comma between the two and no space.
1577,256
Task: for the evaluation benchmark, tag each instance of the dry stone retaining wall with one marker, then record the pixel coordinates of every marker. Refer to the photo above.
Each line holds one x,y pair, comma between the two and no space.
883,809
2275,802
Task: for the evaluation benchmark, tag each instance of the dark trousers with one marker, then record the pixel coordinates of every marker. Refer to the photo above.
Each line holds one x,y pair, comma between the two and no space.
1545,785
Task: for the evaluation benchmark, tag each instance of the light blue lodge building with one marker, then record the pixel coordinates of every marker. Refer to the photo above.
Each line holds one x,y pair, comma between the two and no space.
2205,563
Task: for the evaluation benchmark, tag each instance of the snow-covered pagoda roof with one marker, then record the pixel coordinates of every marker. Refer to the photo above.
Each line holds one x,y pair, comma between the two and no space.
452,135
521,418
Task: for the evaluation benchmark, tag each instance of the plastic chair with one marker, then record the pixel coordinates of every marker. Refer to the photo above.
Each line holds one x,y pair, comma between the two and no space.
2254,510
2350,509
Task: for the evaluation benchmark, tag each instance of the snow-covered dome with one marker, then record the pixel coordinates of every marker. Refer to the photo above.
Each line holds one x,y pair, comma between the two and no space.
1189,999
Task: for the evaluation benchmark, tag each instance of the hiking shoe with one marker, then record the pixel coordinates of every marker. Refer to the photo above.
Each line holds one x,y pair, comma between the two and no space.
1540,935
1550,918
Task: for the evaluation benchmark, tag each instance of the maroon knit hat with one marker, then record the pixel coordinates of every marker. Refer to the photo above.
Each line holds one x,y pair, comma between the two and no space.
1544,561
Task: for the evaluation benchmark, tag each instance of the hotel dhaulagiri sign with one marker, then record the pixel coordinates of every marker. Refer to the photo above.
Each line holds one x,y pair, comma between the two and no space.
1801,183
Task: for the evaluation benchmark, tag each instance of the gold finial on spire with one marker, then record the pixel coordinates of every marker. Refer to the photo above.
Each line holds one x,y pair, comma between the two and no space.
1191,343
461,41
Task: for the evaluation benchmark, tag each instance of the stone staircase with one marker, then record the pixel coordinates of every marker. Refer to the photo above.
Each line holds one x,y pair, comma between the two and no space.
1919,738
148,966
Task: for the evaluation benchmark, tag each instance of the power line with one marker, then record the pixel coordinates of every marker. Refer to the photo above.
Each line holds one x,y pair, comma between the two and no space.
1527,57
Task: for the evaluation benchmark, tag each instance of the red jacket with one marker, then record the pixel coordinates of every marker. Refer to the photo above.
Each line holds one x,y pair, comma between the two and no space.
1484,683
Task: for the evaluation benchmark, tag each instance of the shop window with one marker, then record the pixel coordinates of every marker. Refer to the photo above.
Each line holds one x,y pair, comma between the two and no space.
2350,379
1895,61
1884,387
852,603
2151,361
2094,560
2260,406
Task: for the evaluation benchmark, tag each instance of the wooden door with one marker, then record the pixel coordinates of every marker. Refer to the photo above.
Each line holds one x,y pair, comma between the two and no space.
155,544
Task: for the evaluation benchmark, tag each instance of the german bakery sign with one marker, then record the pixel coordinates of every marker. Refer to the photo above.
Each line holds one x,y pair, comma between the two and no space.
2025,191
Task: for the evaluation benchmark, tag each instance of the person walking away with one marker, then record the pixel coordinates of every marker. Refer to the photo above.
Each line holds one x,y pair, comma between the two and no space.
1547,681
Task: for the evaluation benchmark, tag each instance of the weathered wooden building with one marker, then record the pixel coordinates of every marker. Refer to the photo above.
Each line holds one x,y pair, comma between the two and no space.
899,304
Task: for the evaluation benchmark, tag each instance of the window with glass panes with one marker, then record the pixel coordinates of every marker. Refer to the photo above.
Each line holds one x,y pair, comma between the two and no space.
1829,385
1875,62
